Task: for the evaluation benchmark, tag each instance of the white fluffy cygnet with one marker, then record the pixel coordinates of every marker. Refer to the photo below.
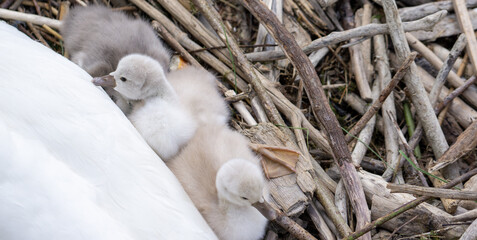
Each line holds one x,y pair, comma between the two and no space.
223,179
161,118
96,37
197,90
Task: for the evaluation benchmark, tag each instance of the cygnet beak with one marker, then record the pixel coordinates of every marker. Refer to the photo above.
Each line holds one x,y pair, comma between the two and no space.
104,81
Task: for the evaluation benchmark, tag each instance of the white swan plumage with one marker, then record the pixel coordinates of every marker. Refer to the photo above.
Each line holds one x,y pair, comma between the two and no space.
49,101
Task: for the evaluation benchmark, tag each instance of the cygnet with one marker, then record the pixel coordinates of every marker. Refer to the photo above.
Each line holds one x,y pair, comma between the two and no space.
223,179
97,37
161,118
197,89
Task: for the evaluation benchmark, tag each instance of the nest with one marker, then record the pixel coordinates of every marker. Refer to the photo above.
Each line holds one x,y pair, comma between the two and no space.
343,108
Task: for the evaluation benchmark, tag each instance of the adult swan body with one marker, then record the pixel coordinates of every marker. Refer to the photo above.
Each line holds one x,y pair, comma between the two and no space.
72,165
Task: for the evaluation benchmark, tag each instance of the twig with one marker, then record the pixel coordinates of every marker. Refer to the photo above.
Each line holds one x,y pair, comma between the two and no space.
433,192
31,18
366,134
43,5
419,11
470,215
459,45
241,46
463,65
215,20
364,31
471,232
366,45
466,26
321,111
454,80
418,94
407,206
408,149
6,4
240,107
174,43
384,94
411,126
178,47
281,219
38,35
465,143
320,224
341,202
384,76
357,63
326,199
399,228
52,32
445,103
455,94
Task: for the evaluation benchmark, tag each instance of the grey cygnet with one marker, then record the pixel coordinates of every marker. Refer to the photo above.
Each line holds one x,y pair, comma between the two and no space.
97,37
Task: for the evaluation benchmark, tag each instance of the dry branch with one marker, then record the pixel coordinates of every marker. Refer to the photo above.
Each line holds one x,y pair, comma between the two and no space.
421,102
365,136
454,80
439,83
446,69
31,18
470,215
443,52
466,27
358,65
320,224
471,232
174,43
409,150
407,206
448,26
418,93
369,30
321,111
465,143
463,113
448,99
419,11
384,76
281,219
433,192
384,94
327,200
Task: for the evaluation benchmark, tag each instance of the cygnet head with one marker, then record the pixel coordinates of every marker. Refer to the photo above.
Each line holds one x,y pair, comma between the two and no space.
138,77
240,182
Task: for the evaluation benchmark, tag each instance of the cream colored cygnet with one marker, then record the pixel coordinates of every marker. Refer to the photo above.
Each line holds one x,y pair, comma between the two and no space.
223,178
161,118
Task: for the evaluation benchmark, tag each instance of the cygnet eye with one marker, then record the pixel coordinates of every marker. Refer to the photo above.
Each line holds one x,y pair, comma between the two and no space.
244,198
123,79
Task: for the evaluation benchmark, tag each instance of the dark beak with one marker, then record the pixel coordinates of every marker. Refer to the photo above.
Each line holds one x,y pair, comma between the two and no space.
104,81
